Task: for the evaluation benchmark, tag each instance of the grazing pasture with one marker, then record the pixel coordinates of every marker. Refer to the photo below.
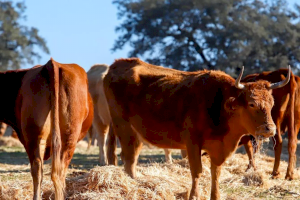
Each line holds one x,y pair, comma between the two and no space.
155,178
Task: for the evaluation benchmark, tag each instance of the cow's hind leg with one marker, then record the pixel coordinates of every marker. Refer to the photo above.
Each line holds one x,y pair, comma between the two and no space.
101,130
292,147
102,144
168,155
36,151
67,156
277,139
111,147
246,140
130,144
183,153
70,137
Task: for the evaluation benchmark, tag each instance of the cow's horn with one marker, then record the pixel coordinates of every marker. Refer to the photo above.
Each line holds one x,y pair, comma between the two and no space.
283,82
237,82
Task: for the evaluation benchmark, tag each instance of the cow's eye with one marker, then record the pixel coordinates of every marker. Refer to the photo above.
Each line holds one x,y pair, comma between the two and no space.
251,105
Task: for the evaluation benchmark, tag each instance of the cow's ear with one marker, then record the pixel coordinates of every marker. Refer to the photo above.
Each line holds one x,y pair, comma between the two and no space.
230,104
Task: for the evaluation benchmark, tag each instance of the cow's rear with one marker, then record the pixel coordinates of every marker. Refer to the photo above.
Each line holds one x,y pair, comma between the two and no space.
53,111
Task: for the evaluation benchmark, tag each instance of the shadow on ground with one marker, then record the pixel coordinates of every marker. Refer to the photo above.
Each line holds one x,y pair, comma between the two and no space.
89,159
82,160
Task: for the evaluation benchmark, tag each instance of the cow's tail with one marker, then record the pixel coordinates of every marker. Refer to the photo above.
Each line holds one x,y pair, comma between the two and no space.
111,147
57,169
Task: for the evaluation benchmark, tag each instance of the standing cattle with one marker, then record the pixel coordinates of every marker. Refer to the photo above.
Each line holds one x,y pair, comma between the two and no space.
50,108
203,110
101,113
101,119
285,114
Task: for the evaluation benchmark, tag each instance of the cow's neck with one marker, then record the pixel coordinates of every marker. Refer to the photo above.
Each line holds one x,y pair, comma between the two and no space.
235,133
10,83
224,145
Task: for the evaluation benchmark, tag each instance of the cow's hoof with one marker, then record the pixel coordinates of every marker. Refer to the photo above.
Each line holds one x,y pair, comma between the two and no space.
250,167
102,163
289,177
275,175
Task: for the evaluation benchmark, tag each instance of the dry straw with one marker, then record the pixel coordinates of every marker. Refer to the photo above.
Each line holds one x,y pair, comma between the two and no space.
164,181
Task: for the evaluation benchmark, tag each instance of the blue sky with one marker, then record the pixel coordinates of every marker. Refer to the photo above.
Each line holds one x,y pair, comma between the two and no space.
81,32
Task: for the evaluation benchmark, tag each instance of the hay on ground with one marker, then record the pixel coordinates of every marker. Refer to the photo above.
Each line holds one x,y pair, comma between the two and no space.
161,181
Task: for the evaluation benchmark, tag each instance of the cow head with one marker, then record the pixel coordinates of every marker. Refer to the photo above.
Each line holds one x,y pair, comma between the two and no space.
253,105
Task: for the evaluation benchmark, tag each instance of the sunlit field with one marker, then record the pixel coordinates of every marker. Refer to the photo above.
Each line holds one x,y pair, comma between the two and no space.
155,178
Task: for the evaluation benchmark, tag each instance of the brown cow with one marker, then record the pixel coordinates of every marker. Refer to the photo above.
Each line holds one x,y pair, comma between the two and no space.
203,110
286,115
50,108
101,120
101,113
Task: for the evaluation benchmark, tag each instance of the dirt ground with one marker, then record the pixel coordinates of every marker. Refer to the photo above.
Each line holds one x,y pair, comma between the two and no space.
155,178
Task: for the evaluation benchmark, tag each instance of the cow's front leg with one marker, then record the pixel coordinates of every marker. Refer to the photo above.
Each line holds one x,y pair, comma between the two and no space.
215,174
278,148
249,149
194,157
168,156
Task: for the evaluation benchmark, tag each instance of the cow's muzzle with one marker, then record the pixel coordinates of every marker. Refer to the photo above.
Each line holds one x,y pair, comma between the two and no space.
265,131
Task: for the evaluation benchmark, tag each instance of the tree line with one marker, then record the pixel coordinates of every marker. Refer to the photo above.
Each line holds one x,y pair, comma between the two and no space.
182,34
211,34
17,41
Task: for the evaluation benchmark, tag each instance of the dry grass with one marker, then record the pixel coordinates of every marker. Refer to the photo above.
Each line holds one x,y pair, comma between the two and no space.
155,180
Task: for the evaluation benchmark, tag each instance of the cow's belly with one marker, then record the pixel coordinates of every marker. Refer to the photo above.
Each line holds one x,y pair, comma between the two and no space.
160,134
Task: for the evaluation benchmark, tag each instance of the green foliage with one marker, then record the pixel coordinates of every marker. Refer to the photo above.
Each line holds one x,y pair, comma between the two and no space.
17,41
213,34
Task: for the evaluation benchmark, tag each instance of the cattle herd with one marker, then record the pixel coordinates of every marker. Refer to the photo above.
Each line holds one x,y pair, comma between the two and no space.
53,106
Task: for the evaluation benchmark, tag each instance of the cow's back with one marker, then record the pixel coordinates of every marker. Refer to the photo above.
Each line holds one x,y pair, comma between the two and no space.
154,87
